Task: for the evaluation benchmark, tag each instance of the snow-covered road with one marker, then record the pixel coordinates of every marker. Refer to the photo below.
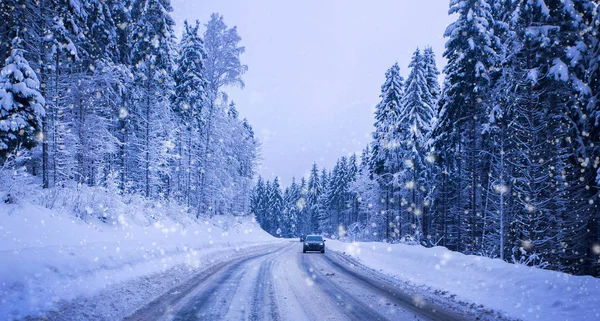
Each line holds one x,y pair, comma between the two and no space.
282,283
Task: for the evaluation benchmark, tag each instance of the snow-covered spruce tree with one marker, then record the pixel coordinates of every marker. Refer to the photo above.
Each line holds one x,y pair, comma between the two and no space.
496,203
246,154
315,189
291,212
258,202
573,97
7,16
152,61
231,160
471,54
335,195
267,219
592,78
323,209
70,45
103,84
21,104
50,29
302,224
384,161
443,221
101,31
541,145
414,126
237,152
351,215
274,219
65,38
581,28
366,192
74,44
189,100
431,75
95,103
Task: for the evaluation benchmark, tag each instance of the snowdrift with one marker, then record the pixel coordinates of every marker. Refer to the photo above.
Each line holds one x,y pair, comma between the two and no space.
518,291
92,239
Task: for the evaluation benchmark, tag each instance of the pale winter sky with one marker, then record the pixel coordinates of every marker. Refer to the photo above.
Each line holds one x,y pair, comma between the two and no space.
316,68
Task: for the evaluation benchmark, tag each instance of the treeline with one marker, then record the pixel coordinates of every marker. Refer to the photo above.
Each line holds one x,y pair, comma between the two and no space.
104,94
503,161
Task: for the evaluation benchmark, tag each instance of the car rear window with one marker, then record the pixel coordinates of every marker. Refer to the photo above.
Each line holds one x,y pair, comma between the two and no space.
314,238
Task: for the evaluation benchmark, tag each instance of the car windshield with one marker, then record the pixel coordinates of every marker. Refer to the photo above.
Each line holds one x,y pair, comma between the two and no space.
314,238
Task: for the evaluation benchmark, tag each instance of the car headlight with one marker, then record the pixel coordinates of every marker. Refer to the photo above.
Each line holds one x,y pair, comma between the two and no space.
321,243
305,243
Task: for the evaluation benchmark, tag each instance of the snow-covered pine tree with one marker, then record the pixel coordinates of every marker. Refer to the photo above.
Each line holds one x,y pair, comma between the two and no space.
384,155
291,212
351,215
152,61
101,31
444,227
189,101
432,73
366,193
274,219
497,203
573,95
238,154
7,15
471,54
579,27
21,104
303,210
592,132
542,174
247,160
267,219
335,196
258,201
65,40
323,208
95,102
414,126
315,189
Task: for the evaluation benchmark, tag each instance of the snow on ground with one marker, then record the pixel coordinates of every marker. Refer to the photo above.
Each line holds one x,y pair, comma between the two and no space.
50,256
519,291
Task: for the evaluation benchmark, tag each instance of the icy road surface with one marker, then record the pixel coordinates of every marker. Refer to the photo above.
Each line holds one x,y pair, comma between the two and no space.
282,283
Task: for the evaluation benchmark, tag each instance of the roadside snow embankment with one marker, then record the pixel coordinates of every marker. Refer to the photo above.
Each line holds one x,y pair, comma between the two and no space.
518,291
49,257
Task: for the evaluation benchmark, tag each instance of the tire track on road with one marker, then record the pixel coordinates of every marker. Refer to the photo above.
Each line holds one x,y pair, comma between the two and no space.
264,305
346,302
393,293
168,305
214,301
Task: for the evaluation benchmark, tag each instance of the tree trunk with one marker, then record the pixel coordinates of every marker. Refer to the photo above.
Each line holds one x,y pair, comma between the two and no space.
147,142
201,196
459,199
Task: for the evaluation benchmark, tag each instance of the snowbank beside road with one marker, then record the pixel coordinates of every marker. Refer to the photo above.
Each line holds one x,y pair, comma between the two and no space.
50,256
518,291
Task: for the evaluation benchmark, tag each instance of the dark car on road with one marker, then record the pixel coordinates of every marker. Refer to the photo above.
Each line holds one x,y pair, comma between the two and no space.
313,243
